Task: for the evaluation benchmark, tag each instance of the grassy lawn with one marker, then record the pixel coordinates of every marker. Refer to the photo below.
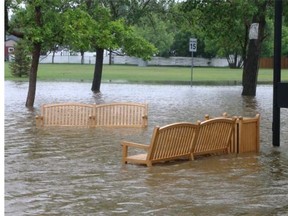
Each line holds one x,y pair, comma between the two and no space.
118,73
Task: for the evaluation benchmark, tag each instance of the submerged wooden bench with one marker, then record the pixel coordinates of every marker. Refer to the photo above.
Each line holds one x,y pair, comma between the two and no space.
180,140
92,115
212,136
169,142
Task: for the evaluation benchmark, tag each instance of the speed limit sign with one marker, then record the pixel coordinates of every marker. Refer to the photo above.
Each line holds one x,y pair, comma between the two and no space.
193,45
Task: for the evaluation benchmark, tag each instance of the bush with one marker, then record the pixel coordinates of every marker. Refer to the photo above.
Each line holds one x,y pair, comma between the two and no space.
20,66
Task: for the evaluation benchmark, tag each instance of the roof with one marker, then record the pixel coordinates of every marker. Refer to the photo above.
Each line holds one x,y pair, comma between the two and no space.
12,37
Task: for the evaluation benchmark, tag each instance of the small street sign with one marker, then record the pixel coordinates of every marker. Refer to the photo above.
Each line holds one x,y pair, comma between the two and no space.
192,48
193,45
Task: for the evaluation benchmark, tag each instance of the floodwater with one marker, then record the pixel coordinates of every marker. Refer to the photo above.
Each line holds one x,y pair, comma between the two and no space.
78,171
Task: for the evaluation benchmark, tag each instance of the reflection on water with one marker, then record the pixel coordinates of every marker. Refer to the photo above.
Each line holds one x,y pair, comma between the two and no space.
68,171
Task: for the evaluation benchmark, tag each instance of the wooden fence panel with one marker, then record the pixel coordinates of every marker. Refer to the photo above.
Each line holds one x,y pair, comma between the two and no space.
268,63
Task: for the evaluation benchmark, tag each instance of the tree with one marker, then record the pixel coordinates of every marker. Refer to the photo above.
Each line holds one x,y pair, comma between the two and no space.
80,40
35,21
186,22
227,24
251,60
158,32
267,49
43,24
21,63
112,33
157,25
218,24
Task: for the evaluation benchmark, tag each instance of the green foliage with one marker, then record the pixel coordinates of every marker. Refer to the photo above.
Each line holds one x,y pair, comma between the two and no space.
97,28
137,46
20,66
219,26
85,25
158,32
224,25
219,23
285,12
149,20
267,49
180,47
285,41
186,18
49,32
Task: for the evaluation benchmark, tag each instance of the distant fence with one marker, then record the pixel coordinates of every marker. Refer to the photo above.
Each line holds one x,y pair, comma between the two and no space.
127,60
268,63
67,59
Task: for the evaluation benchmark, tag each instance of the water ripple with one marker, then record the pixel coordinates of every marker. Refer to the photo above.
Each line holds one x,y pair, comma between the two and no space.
66,171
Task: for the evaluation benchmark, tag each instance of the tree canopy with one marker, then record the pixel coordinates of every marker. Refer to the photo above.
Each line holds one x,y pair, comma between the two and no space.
45,25
144,28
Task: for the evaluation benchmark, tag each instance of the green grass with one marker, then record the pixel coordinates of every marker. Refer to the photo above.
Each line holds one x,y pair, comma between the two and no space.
121,73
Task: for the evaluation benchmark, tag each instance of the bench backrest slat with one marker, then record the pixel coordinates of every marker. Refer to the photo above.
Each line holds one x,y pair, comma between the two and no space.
214,136
172,141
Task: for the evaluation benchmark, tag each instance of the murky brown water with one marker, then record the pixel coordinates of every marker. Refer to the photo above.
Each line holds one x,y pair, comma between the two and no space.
79,172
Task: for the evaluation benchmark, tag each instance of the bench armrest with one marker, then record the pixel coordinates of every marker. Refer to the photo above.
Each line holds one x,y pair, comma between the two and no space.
39,120
136,145
126,144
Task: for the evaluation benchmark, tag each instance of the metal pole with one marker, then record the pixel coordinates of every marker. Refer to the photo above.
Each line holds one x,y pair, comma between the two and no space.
191,69
277,71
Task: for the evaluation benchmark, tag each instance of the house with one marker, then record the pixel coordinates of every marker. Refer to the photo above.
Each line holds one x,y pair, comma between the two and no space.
10,42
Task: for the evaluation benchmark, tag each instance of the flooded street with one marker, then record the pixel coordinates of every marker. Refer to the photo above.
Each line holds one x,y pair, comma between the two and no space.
78,171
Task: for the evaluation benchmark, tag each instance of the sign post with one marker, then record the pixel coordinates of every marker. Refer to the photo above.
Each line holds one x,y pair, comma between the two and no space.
279,92
192,48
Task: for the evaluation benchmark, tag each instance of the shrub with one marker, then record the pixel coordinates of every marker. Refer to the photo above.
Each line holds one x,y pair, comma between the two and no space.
20,65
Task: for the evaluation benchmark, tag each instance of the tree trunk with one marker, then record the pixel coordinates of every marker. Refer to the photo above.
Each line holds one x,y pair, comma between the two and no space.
53,56
33,76
110,57
251,62
98,70
82,57
250,71
34,66
233,61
